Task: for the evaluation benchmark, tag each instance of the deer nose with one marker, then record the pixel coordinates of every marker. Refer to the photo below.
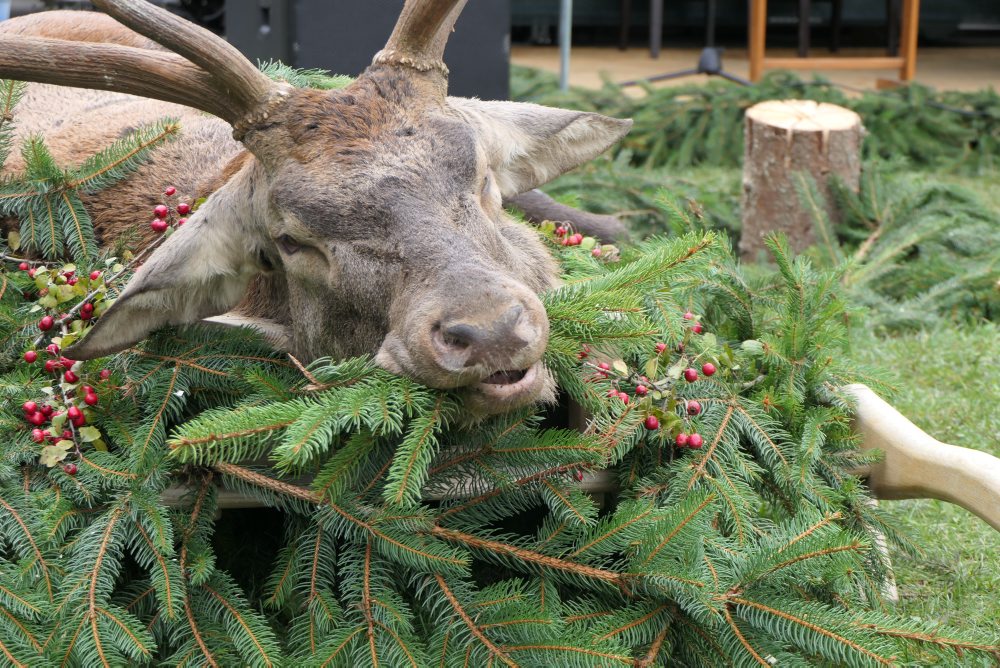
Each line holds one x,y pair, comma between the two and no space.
463,342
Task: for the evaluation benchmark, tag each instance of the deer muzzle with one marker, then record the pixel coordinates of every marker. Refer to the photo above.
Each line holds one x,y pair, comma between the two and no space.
491,349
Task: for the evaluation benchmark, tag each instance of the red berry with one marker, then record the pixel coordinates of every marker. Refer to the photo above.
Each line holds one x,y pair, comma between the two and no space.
87,308
24,266
596,252
681,440
696,328
689,316
87,389
693,408
71,280
67,434
660,347
708,368
575,239
640,390
45,324
66,362
690,375
181,221
160,211
695,441
613,392
47,410
159,225
31,272
169,192
651,423
90,399
604,366
94,275
52,349
86,315
105,374
183,208
51,365
623,397
30,356
578,475
560,231
29,407
80,421
37,435
73,412
70,468
70,376
37,418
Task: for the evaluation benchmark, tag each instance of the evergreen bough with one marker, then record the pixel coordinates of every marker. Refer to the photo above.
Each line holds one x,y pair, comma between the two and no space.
693,124
418,535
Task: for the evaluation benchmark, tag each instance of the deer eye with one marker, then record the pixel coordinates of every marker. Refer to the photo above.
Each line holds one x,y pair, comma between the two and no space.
288,245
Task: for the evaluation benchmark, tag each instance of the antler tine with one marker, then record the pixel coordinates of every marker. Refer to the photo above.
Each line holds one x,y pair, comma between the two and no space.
420,35
242,83
155,74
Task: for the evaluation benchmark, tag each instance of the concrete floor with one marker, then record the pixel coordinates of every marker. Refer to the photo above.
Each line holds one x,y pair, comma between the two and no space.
954,68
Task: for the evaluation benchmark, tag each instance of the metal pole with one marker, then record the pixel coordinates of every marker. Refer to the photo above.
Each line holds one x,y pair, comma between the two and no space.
565,39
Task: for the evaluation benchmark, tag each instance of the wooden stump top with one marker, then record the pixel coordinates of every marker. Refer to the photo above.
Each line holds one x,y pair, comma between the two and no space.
803,116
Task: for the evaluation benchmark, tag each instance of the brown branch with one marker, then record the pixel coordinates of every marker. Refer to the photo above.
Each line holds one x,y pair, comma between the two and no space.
633,623
830,517
163,567
739,635
809,625
654,649
476,631
700,468
366,605
214,438
239,618
34,546
677,529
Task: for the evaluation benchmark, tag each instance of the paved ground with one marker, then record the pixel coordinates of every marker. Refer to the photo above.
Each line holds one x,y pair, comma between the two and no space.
955,68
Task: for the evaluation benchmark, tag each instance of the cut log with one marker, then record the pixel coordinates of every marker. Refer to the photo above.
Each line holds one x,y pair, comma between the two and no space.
784,140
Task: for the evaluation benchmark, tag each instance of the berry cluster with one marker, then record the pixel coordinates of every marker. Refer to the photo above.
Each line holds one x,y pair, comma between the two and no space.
667,415
69,302
61,415
564,235
166,219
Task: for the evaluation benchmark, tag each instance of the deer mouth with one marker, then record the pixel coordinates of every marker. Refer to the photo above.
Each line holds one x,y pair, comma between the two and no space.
511,384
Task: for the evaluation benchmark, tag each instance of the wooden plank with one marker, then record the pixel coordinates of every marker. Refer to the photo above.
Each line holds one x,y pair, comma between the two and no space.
846,63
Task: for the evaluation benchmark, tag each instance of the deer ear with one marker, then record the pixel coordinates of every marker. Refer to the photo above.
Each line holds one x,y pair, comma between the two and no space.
528,144
202,270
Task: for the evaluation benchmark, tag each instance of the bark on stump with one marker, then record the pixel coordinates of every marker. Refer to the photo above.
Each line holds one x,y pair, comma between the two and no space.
783,140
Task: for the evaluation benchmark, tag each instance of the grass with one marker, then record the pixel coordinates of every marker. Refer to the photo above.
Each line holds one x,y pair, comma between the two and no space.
948,383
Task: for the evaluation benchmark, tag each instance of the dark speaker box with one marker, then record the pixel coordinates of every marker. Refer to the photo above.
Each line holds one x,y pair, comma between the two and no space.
343,35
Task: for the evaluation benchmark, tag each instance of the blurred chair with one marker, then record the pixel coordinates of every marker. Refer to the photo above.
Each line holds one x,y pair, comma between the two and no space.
892,10
902,42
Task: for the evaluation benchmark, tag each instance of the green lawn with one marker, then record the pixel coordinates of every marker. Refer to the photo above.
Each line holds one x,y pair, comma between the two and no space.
948,383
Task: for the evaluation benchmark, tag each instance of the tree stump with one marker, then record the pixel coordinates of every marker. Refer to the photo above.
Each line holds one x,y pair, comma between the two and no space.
785,140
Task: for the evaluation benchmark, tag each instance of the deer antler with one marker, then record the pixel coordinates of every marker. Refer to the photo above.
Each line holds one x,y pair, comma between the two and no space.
203,71
420,35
